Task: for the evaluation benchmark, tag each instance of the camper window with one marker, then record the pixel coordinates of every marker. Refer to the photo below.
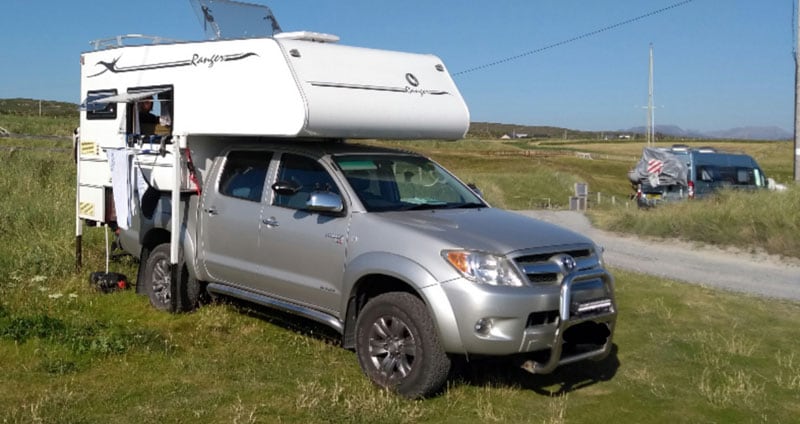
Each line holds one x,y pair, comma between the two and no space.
743,176
244,174
150,110
705,175
96,108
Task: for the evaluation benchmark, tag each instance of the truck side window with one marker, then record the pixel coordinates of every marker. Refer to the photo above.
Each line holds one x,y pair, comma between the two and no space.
309,175
244,174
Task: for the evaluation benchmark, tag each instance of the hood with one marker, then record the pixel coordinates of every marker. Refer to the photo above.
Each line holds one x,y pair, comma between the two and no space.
486,229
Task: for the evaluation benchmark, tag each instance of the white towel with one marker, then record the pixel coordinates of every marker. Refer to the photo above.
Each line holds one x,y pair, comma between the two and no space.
119,160
141,184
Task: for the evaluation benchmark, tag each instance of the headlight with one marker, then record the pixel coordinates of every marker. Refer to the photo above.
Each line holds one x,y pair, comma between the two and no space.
484,268
600,251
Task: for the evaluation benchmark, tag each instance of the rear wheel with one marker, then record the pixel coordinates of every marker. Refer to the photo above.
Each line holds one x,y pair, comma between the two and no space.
398,347
187,291
158,278
180,294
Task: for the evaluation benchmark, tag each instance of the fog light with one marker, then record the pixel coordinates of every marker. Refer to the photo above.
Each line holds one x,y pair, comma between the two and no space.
483,326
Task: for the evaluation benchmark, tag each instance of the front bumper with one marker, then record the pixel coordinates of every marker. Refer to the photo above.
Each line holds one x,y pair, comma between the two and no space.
574,319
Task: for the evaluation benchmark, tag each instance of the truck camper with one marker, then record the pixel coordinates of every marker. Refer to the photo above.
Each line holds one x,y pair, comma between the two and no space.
223,166
246,83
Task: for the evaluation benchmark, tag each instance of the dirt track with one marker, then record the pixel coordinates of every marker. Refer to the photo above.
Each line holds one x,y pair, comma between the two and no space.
753,273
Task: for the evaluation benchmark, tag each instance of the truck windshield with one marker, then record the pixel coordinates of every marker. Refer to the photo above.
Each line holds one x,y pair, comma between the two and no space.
404,182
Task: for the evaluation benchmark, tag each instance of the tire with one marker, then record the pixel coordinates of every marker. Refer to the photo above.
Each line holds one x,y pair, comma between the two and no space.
158,278
398,347
181,294
187,292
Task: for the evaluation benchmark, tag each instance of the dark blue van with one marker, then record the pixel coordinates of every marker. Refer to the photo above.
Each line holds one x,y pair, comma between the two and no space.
706,169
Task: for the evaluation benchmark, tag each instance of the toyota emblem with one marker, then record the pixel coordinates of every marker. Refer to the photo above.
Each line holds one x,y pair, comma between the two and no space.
566,263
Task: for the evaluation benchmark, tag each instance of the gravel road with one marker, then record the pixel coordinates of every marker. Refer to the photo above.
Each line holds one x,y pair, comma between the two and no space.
730,269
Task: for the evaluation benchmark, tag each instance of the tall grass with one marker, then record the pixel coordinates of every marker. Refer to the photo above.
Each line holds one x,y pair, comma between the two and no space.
507,181
763,220
37,189
39,125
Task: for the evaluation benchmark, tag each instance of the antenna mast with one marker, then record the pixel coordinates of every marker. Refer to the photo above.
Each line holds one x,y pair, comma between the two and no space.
797,99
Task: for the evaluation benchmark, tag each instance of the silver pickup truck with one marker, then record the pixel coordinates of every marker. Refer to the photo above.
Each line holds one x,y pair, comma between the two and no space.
409,264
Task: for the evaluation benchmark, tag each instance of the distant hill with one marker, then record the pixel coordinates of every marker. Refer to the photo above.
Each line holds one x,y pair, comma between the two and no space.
663,132
497,130
742,133
673,131
753,133
30,107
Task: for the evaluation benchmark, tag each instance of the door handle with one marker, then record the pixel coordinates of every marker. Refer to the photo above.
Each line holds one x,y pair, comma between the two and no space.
270,222
212,211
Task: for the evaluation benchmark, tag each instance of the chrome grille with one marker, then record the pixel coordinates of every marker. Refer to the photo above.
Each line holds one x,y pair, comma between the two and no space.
542,267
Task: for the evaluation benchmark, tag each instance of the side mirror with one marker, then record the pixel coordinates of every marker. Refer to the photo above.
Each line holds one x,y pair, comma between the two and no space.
324,201
286,188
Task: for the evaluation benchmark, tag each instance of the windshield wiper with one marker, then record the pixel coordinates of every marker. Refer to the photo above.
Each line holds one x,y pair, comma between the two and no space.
431,206
424,206
465,205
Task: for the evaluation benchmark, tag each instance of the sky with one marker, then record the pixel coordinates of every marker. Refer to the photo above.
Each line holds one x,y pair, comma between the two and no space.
718,64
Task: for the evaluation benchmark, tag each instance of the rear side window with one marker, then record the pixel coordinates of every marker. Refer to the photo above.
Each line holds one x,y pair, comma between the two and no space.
730,175
244,174
96,109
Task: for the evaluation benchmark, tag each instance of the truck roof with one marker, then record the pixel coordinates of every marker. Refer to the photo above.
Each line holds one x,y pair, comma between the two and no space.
318,149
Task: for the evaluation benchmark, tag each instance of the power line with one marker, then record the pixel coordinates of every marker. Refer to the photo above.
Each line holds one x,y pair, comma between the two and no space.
573,39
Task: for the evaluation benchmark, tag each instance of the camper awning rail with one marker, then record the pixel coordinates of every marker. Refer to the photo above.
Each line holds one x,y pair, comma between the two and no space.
128,40
92,102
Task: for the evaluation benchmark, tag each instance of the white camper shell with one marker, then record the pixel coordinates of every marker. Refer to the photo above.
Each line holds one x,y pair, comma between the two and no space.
262,85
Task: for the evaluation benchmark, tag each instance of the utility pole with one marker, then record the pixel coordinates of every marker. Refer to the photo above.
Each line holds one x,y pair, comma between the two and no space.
796,99
651,130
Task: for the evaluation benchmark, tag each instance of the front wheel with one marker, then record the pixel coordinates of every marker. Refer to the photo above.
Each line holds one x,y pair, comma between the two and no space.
398,347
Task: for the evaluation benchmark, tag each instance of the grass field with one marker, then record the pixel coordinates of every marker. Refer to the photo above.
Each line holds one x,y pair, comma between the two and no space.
530,175
69,354
39,125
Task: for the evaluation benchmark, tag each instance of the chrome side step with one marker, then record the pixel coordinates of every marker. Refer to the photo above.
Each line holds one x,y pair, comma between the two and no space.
280,305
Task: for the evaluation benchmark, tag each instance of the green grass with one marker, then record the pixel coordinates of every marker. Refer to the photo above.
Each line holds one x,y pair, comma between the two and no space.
34,107
768,221
683,353
39,125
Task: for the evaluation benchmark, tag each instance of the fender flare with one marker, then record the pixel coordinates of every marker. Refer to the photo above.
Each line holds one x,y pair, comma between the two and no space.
413,275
